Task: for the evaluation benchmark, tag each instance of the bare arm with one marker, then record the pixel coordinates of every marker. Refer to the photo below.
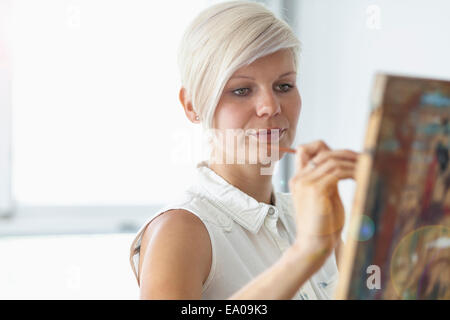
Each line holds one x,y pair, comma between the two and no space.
176,260
175,257
338,252
282,280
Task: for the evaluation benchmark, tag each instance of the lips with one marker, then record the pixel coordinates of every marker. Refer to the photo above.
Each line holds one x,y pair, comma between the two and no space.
269,133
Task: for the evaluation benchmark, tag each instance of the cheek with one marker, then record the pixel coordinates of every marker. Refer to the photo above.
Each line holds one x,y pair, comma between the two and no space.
298,109
293,111
230,116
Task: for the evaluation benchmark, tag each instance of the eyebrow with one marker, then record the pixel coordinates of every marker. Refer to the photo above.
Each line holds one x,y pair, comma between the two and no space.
283,75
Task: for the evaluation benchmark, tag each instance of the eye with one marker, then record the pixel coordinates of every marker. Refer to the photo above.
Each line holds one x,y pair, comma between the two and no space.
286,87
239,92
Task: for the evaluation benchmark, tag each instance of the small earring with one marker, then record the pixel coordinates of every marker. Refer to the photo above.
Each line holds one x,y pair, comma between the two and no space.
197,118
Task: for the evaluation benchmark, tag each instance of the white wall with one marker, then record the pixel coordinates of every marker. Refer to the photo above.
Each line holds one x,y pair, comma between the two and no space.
344,43
58,267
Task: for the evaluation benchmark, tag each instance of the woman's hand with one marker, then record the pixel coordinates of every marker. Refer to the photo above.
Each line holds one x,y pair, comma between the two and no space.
320,214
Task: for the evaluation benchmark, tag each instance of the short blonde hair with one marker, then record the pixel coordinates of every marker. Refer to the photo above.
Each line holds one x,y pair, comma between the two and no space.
223,38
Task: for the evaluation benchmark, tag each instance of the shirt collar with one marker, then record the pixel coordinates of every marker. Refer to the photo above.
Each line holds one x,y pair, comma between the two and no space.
241,207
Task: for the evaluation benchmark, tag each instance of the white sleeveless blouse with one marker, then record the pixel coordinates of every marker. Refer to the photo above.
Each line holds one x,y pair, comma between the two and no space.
247,236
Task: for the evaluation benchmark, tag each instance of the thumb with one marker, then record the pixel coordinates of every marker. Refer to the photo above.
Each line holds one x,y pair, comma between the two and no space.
307,151
301,158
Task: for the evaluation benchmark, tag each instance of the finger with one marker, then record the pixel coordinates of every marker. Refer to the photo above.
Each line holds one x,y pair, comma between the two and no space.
337,154
300,159
313,174
330,179
307,151
313,148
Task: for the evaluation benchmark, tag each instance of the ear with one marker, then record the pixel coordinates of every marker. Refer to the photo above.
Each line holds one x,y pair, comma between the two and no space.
186,102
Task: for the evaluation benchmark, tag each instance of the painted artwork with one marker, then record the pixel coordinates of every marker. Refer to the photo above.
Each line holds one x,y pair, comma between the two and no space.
398,244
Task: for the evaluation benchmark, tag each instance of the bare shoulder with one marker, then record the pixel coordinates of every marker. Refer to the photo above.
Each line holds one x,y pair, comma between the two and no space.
175,256
176,224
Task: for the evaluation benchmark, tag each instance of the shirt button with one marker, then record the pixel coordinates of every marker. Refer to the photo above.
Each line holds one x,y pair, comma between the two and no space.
271,211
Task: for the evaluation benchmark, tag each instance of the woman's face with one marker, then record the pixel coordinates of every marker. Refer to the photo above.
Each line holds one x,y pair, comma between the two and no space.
262,95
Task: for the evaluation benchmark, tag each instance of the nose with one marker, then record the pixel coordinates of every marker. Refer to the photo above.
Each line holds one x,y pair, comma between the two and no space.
268,104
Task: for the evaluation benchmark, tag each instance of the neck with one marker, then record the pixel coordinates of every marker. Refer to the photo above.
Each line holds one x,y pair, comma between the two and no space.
247,178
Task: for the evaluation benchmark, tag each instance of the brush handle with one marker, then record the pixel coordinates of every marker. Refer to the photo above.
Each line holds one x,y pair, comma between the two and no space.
290,150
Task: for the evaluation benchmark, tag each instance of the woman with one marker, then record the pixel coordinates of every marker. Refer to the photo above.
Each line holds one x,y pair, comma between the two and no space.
231,235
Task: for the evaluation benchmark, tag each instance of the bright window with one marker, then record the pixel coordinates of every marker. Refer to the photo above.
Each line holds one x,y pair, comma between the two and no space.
67,267
96,116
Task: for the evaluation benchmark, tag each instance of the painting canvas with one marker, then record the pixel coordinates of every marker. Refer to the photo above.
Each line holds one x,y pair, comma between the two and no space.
398,240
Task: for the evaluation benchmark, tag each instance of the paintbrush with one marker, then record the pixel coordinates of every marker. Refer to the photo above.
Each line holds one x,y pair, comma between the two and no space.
290,150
